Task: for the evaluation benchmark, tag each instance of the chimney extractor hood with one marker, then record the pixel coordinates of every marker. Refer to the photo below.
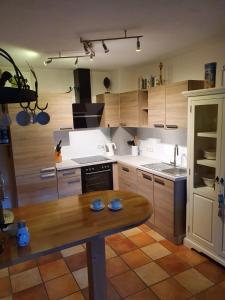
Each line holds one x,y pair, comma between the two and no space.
85,113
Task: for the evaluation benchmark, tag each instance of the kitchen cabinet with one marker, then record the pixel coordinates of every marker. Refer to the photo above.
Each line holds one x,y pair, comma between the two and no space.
167,107
206,164
69,182
127,178
133,109
145,188
111,112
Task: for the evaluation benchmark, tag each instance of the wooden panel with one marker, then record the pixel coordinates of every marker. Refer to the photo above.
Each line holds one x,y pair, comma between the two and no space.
156,106
129,109
115,177
163,204
68,173
145,188
202,217
69,186
36,188
111,113
127,178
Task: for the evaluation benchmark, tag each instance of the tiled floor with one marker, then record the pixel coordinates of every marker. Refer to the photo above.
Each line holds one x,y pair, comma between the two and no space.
141,265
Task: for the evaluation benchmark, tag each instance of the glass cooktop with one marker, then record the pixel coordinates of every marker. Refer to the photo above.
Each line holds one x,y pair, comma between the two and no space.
90,159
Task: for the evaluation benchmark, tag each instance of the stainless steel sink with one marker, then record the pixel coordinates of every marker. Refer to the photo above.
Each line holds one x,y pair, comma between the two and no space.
175,171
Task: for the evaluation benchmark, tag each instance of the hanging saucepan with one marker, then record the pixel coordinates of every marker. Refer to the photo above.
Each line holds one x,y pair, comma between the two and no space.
23,117
32,113
43,118
5,120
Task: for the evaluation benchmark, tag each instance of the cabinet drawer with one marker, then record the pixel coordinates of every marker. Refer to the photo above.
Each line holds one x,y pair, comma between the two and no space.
69,186
36,188
164,207
127,185
68,173
127,172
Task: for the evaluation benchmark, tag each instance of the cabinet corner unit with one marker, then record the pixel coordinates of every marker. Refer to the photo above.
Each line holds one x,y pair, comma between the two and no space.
206,164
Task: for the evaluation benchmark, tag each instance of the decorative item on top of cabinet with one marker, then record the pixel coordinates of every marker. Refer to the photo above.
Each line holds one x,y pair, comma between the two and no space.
111,112
69,182
167,106
134,109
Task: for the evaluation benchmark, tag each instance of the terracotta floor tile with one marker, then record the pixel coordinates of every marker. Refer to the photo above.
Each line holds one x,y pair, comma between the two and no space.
212,271
122,245
131,232
76,261
114,238
136,258
35,293
53,269
214,293
111,293
5,287
72,250
109,252
25,280
115,266
155,235
142,239
192,257
127,284
172,264
146,294
193,281
155,251
170,289
81,277
151,273
48,258
144,227
172,247
75,296
4,272
29,264
61,287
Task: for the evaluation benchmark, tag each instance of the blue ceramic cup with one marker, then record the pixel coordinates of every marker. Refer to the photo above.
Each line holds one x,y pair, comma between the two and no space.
97,203
115,203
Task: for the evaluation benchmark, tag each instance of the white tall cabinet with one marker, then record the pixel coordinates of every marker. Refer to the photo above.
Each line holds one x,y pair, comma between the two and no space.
206,166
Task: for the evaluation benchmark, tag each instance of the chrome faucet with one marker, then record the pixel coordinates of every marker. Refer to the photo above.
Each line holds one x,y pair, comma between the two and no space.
175,153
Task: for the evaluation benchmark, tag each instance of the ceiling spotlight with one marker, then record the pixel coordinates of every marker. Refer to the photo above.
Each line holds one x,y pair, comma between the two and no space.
86,50
105,47
138,49
76,61
48,61
91,57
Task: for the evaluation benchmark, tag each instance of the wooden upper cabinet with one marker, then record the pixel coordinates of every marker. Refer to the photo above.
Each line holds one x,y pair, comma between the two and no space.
156,107
132,104
111,113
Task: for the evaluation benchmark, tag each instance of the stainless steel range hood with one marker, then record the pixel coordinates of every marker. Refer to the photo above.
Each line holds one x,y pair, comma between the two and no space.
85,113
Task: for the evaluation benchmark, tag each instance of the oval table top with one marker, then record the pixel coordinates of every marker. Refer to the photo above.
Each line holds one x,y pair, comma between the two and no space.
69,221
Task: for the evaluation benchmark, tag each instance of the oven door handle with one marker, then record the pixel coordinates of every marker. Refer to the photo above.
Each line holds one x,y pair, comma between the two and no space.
98,172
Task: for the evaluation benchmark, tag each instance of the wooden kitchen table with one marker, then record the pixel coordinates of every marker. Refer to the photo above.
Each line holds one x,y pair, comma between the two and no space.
66,222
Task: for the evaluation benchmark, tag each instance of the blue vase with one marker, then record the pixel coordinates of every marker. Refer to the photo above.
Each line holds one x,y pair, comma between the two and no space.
23,236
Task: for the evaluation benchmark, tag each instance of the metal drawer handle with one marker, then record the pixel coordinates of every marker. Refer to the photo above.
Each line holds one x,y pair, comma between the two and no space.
171,126
47,170
159,125
147,177
74,181
125,169
123,124
69,173
49,175
159,181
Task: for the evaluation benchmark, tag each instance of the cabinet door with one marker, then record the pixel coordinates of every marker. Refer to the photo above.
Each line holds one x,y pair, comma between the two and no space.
36,188
156,107
69,186
129,109
164,205
145,188
127,178
111,113
176,105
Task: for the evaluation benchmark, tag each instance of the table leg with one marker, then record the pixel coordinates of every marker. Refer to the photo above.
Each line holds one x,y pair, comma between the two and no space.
96,269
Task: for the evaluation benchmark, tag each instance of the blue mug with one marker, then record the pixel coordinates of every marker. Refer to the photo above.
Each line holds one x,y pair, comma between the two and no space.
115,203
97,203
23,236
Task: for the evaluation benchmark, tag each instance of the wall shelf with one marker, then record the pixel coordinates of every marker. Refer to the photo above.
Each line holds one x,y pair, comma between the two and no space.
207,162
209,134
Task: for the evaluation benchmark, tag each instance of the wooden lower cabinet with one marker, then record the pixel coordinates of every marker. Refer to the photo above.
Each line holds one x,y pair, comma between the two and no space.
69,182
145,188
36,188
127,178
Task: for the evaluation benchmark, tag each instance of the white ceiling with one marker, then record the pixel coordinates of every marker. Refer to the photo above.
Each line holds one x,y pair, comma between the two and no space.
34,30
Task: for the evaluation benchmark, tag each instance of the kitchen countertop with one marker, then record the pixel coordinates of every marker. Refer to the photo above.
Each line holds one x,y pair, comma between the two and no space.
134,161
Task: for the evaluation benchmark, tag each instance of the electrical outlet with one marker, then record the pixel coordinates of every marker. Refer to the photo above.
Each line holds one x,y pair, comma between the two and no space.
101,147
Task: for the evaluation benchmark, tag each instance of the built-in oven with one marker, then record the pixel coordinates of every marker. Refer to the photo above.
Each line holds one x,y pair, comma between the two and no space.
97,177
